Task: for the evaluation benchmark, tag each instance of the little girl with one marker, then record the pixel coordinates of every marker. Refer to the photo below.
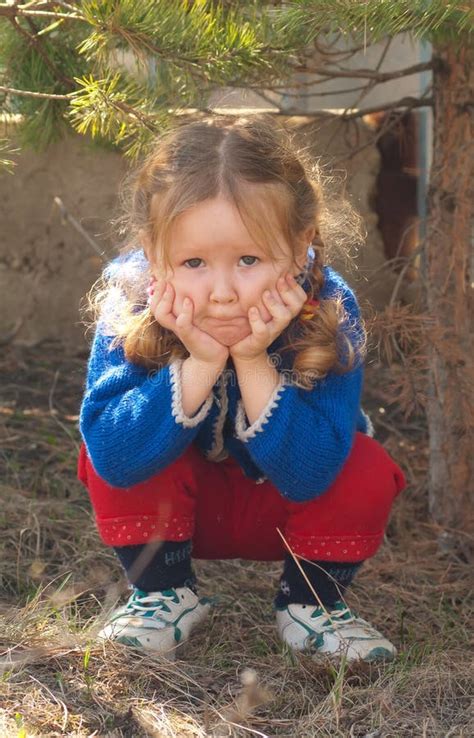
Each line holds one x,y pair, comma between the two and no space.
221,417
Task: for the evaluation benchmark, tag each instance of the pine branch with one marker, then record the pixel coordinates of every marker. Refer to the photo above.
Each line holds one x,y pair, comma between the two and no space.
405,102
30,93
96,102
181,51
36,42
6,164
15,11
119,110
375,19
299,94
197,38
366,73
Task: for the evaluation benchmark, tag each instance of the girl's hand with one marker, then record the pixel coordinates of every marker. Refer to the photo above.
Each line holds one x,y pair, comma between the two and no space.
283,305
200,345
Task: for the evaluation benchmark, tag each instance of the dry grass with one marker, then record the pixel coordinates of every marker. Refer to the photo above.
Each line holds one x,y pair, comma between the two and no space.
57,579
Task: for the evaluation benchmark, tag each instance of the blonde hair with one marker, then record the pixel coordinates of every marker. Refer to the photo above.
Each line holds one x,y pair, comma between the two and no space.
278,192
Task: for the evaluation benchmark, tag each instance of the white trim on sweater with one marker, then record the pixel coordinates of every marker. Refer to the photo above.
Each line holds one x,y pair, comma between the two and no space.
177,398
243,432
370,426
217,451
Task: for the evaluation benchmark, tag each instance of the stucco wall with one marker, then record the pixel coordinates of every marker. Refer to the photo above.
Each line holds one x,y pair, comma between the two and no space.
46,266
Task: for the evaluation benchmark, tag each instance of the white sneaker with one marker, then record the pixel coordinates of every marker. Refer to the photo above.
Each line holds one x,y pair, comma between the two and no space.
157,621
337,632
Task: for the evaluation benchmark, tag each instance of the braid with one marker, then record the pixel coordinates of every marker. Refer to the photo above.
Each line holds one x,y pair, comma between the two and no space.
317,266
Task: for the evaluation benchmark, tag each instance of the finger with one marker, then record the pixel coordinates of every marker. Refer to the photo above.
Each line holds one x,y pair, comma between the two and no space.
290,290
161,306
185,318
278,309
294,298
155,290
164,299
258,326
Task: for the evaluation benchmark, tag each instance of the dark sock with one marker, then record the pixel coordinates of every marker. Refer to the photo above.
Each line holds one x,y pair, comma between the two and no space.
294,588
153,567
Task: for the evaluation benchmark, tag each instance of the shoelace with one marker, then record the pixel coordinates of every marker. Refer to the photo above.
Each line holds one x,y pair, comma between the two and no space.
335,618
150,603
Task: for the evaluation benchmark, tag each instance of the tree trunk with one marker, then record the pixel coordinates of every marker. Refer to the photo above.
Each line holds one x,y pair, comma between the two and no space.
449,293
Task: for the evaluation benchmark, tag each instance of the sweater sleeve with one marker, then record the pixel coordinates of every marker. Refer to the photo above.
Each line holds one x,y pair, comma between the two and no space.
302,438
132,419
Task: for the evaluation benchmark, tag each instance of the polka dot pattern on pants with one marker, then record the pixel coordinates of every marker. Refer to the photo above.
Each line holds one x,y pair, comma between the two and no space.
134,531
344,548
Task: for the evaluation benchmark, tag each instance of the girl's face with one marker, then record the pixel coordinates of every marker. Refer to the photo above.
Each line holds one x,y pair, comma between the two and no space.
217,264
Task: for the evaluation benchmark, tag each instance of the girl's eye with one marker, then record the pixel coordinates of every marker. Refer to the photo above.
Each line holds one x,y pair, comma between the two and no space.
250,257
192,262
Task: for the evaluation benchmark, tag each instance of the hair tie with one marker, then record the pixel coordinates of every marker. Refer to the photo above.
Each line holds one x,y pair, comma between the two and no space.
309,309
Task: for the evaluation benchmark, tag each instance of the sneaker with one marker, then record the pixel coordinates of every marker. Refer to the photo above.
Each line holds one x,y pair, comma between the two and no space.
157,621
337,632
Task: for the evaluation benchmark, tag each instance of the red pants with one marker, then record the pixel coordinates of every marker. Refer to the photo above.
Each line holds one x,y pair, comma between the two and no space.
228,516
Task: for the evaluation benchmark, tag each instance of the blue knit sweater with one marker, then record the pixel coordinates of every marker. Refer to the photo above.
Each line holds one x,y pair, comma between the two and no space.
133,423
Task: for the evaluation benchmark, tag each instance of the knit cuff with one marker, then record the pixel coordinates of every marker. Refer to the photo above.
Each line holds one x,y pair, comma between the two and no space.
244,431
177,398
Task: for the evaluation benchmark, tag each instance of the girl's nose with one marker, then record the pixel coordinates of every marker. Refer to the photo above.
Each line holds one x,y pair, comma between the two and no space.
223,299
223,291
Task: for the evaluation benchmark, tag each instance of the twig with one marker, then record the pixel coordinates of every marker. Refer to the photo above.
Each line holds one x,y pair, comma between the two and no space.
408,260
66,216
30,93
345,54
372,83
304,575
404,102
56,699
37,43
13,11
367,73
387,125
367,89
242,727
305,95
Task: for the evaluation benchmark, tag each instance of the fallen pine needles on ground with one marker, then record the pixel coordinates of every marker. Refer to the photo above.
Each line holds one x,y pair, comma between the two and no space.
235,678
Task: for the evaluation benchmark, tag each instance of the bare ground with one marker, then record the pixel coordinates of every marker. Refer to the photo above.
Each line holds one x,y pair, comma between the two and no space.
58,580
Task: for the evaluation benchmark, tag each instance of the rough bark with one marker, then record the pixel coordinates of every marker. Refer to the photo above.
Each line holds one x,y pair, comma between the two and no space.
449,293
